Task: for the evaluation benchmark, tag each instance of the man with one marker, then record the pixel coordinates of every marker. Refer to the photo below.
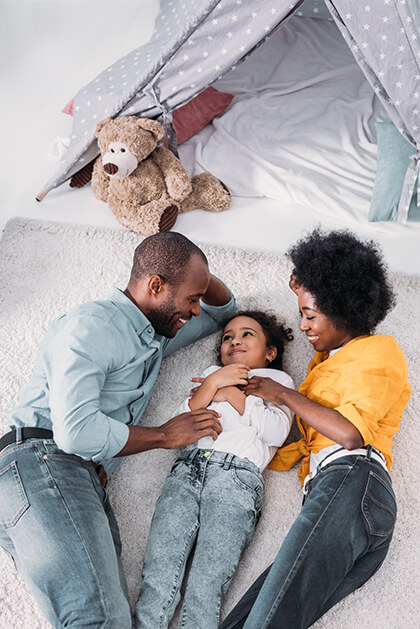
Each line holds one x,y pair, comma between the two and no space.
93,377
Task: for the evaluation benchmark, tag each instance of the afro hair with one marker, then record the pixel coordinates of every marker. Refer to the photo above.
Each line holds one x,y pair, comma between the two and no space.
347,278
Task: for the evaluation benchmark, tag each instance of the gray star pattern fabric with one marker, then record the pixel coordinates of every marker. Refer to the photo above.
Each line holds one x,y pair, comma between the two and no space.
195,42
384,36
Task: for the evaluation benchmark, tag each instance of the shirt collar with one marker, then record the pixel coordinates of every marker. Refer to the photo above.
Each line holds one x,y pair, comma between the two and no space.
138,320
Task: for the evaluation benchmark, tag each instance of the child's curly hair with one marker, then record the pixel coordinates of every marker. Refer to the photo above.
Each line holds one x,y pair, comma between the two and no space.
276,333
347,278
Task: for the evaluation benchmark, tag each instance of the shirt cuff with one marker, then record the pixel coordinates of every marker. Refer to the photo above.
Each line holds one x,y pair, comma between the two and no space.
117,438
352,414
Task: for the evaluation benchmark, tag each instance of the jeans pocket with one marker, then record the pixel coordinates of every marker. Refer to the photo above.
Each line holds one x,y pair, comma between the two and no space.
379,507
253,483
13,499
176,465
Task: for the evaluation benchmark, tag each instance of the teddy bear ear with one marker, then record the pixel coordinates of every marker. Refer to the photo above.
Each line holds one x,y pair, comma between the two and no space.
152,125
101,124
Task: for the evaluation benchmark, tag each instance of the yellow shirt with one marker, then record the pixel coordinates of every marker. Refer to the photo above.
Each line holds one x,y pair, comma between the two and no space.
366,381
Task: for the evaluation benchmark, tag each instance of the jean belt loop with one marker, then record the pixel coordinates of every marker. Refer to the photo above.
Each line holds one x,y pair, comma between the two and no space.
228,461
193,455
368,453
19,435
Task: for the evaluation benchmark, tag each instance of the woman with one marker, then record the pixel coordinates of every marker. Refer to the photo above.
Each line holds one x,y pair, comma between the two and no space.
348,407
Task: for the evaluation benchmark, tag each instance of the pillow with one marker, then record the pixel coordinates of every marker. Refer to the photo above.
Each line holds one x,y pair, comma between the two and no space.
192,117
394,153
68,109
314,8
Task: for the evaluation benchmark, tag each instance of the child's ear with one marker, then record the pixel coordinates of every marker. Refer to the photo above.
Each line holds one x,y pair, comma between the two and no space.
271,353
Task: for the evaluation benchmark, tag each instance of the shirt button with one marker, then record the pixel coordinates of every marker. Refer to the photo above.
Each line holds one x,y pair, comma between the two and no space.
149,330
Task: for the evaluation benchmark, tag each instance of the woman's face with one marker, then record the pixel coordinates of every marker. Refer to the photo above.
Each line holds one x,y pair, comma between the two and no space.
244,341
319,329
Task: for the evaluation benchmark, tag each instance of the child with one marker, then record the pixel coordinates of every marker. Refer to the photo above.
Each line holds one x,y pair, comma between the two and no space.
214,493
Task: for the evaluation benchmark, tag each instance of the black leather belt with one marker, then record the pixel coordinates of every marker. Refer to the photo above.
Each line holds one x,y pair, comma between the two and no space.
25,433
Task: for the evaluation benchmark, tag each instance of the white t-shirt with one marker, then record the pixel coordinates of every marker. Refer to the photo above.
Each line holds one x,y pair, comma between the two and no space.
257,433
317,457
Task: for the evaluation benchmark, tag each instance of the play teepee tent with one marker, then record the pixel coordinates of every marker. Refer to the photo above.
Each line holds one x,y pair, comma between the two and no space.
195,42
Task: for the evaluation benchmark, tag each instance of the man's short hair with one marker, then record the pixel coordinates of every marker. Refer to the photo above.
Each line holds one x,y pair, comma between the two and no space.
166,254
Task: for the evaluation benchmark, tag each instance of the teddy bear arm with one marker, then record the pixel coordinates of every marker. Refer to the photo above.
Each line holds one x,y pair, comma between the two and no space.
100,181
177,180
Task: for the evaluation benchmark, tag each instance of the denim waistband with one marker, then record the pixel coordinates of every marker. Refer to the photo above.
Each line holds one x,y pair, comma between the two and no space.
21,433
368,452
217,457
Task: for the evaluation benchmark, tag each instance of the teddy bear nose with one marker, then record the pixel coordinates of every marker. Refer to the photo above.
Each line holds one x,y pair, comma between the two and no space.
110,169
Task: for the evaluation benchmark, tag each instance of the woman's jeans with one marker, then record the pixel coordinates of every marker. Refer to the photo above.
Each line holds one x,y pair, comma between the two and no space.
57,524
210,499
338,541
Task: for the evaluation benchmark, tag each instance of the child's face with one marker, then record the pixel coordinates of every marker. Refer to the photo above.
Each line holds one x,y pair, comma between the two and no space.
243,341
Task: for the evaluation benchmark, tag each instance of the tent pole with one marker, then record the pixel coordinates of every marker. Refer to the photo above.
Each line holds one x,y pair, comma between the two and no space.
41,194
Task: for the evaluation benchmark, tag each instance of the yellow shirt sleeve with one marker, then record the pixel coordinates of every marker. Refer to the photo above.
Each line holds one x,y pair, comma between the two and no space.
366,381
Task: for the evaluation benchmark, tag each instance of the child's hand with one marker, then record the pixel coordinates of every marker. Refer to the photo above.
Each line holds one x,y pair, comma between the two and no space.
225,394
265,388
230,375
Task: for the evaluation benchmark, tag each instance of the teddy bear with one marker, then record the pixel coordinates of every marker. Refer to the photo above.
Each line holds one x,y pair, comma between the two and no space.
145,185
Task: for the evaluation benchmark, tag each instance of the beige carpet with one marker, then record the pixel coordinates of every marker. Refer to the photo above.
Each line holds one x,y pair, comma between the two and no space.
46,268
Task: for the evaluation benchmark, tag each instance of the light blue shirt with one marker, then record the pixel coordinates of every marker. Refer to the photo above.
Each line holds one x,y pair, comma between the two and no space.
95,371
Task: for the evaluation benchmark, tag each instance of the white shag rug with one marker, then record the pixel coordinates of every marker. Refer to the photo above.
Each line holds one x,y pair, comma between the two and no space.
46,268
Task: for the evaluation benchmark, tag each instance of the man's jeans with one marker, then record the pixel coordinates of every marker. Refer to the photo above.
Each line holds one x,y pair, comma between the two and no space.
57,524
338,541
212,499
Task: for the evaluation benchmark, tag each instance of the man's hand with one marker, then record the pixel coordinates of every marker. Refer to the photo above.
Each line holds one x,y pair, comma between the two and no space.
178,432
187,428
217,293
102,475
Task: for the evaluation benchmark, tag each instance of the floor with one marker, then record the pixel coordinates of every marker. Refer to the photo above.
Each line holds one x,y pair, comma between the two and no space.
48,50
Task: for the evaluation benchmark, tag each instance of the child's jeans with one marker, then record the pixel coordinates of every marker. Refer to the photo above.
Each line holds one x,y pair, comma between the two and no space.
213,500
338,541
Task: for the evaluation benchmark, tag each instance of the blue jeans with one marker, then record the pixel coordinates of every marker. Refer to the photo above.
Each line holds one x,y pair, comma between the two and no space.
58,526
211,501
338,541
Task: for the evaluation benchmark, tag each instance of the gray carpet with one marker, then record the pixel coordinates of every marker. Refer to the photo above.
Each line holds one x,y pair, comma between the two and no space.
46,268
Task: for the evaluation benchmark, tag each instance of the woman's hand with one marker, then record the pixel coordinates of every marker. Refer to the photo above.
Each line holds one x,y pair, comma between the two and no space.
265,388
327,421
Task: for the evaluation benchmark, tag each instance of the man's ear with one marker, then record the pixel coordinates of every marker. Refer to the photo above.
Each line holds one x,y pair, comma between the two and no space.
271,353
156,285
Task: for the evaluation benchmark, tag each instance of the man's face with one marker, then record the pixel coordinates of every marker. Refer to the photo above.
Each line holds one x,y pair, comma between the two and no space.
179,303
